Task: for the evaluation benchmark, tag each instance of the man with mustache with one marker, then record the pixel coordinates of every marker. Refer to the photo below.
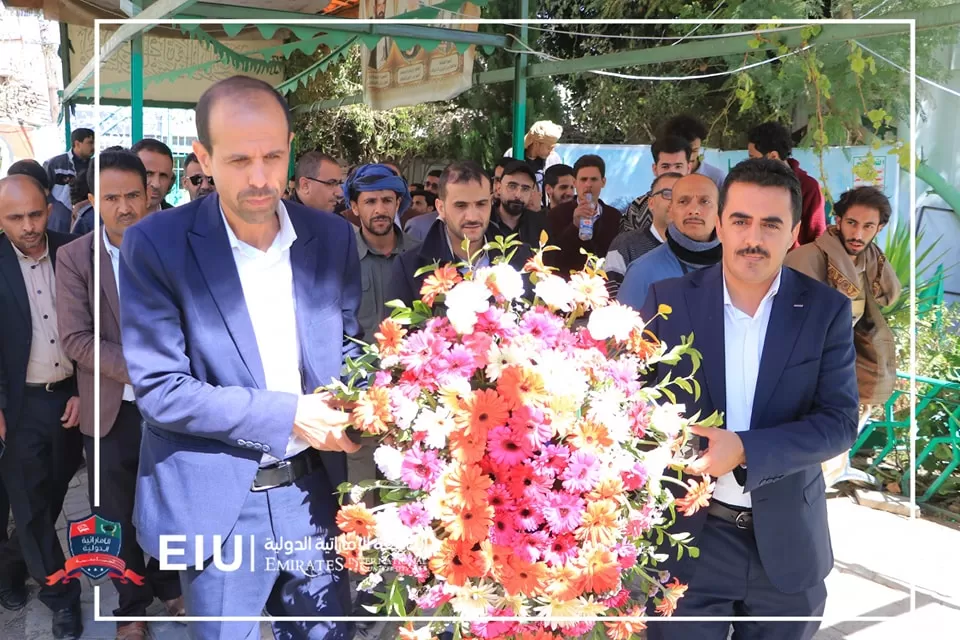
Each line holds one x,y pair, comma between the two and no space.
195,181
692,242
39,407
778,366
158,159
123,202
847,259
232,313
511,214
463,207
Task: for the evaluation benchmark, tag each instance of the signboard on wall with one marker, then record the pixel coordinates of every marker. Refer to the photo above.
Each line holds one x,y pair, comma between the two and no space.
162,57
394,77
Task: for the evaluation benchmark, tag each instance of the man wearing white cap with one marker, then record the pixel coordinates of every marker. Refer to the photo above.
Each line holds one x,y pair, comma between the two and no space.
539,148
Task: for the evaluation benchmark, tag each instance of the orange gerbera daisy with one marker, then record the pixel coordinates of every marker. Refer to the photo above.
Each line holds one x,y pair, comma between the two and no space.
356,518
372,413
467,486
600,570
350,547
409,633
626,629
564,583
588,435
671,596
438,283
483,411
520,386
468,523
526,578
496,556
467,448
390,337
610,488
456,562
698,496
599,524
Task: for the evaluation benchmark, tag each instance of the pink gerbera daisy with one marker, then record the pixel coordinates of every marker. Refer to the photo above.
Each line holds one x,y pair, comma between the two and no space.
561,549
530,547
529,517
582,472
627,553
457,364
498,496
420,468
543,325
490,630
563,512
619,600
434,597
508,445
504,530
413,515
635,477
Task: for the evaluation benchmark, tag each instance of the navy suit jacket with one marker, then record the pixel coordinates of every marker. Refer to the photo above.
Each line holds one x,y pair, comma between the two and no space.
804,411
16,335
196,369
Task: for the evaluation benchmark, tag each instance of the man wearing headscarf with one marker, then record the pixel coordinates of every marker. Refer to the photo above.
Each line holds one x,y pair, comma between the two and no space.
379,197
539,148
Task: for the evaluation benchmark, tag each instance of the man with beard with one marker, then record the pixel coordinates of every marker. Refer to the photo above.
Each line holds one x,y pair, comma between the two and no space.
377,195
559,185
38,404
195,181
847,259
123,202
158,159
692,242
510,212
464,211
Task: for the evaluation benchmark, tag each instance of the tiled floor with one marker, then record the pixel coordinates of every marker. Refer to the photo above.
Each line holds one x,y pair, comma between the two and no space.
878,555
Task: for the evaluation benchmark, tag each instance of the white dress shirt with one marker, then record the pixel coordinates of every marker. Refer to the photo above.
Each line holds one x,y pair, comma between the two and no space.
743,339
114,253
267,281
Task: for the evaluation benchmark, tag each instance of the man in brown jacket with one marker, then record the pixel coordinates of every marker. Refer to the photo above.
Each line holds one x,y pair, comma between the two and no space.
563,221
123,202
847,258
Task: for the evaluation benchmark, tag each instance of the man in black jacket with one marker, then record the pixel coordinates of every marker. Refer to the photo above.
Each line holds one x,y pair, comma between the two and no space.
510,213
39,407
464,211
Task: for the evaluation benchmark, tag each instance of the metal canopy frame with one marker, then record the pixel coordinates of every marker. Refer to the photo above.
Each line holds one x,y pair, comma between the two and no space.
930,18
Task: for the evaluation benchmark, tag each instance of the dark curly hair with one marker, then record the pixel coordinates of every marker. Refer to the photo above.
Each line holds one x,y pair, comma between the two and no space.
867,197
771,136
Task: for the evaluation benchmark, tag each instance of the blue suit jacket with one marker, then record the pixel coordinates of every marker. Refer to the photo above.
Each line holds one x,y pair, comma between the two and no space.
195,366
804,412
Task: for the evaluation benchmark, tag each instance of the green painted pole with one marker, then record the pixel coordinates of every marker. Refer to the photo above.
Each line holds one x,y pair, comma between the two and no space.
65,61
520,87
940,186
136,89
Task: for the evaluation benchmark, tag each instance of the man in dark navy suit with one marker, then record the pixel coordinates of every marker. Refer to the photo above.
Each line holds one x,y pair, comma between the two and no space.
778,363
234,308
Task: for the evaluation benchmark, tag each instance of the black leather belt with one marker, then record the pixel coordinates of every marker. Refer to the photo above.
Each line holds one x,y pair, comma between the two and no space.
287,471
740,517
67,384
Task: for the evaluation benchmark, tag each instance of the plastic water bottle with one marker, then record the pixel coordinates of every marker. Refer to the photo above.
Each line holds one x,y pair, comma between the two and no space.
586,224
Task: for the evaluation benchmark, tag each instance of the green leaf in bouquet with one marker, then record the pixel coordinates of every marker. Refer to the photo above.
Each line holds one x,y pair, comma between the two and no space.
713,420
684,384
421,308
395,304
670,395
694,552
430,268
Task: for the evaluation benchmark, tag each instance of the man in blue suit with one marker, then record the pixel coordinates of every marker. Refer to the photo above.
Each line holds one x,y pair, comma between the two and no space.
234,308
778,363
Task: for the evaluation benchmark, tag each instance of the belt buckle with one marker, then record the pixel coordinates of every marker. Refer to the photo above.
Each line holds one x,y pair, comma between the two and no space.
278,465
744,520
49,387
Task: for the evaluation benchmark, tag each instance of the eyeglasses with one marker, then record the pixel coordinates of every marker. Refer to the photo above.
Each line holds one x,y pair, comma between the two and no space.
666,193
332,182
524,189
197,179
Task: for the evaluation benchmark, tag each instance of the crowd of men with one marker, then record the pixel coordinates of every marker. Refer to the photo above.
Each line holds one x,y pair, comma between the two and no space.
220,316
